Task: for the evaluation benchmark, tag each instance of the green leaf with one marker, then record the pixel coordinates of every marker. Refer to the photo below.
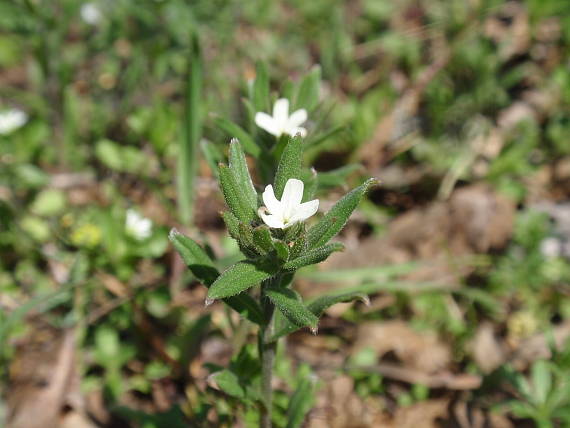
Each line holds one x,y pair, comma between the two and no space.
291,305
235,131
282,250
262,239
333,221
260,89
234,195
321,304
317,307
289,164
314,256
239,277
232,224
238,166
308,93
229,383
202,266
300,403
197,260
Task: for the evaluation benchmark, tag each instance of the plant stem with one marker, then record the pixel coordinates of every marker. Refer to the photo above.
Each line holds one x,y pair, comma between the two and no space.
267,349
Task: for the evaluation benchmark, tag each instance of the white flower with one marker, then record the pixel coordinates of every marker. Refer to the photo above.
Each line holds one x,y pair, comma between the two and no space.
281,123
90,13
12,119
138,226
289,210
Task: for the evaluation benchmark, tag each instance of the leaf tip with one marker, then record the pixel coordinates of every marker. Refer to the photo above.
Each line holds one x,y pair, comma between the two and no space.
208,302
173,234
365,299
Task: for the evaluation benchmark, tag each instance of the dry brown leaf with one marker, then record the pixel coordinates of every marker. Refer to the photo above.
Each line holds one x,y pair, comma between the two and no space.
486,349
419,351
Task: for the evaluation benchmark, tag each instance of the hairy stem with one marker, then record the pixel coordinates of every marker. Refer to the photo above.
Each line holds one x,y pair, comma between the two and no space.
267,349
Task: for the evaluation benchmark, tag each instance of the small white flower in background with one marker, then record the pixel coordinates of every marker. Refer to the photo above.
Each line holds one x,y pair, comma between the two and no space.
12,119
289,210
90,13
281,123
138,226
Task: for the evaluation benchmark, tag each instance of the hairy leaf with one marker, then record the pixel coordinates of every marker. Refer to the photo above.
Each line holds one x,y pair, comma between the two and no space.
314,256
197,260
202,266
234,195
333,221
238,166
262,239
289,164
282,250
317,307
291,305
239,277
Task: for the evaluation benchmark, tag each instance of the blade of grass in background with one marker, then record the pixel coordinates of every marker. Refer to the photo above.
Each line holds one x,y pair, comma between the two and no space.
192,131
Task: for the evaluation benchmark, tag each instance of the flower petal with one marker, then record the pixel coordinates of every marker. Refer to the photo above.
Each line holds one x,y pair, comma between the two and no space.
304,211
266,122
281,111
292,196
297,118
270,201
270,220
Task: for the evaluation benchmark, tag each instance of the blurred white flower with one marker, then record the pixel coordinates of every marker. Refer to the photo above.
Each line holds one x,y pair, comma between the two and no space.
12,119
138,226
91,13
281,123
285,213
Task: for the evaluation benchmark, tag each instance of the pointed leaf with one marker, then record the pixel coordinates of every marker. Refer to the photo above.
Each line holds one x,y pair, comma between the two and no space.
317,307
289,164
235,131
314,256
202,266
234,195
197,260
333,221
290,304
240,277
238,166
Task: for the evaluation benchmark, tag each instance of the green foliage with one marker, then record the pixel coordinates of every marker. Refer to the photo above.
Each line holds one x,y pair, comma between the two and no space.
240,277
291,306
334,220
289,165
